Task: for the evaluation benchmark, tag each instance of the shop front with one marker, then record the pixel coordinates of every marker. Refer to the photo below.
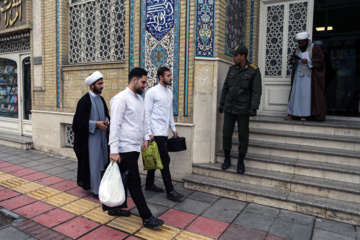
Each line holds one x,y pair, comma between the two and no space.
15,68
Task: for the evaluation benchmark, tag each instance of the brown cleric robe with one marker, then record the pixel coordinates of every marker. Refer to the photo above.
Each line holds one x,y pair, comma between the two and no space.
318,99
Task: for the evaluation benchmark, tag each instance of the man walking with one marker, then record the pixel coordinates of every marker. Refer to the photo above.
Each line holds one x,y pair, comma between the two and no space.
159,115
307,94
90,124
240,98
128,129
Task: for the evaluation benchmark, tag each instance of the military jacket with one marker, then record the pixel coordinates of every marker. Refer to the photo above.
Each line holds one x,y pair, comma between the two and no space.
242,89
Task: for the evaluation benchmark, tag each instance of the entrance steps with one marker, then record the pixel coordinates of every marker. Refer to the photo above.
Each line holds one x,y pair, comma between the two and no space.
17,141
308,167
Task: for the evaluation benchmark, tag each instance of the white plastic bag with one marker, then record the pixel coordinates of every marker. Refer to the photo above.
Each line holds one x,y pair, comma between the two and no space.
111,190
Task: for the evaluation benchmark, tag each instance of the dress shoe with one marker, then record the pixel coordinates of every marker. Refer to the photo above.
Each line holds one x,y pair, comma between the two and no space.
153,188
153,223
175,196
227,161
289,117
119,212
240,164
303,119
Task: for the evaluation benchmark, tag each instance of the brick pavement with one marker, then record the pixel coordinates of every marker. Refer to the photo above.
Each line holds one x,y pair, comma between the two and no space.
39,191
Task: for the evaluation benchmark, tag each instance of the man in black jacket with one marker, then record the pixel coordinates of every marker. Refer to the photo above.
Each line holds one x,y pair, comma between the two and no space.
90,124
240,98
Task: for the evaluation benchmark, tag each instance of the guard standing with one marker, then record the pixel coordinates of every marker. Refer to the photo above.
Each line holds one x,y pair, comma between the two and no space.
240,98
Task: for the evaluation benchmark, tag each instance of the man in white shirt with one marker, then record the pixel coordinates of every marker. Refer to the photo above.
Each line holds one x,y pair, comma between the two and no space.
159,115
128,129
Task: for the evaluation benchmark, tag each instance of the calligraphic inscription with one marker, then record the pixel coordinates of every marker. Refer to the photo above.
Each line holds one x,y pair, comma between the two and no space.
235,24
159,17
160,41
205,28
12,13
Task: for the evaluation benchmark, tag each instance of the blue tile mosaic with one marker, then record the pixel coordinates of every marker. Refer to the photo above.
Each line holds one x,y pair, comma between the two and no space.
160,40
251,42
131,64
205,11
57,54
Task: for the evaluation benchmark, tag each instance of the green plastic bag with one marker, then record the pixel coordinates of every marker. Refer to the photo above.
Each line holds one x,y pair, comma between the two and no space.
151,157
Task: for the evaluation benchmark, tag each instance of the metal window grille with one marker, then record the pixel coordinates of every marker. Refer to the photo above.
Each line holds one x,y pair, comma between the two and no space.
69,135
15,43
97,31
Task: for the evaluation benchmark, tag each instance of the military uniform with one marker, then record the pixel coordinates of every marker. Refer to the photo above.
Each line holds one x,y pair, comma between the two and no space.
240,98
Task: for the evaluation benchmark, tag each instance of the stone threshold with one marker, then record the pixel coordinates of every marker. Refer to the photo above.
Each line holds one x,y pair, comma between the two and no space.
16,140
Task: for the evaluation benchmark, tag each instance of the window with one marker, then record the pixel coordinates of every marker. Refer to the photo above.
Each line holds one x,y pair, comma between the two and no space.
96,31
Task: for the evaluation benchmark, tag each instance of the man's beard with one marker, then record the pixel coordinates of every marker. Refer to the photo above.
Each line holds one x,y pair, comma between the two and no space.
303,48
97,90
138,90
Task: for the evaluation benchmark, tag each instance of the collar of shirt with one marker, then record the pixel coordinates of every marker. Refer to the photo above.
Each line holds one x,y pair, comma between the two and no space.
93,94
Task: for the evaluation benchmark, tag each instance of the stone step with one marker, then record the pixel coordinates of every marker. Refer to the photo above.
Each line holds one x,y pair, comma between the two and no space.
15,140
330,127
306,139
331,171
319,154
286,181
304,203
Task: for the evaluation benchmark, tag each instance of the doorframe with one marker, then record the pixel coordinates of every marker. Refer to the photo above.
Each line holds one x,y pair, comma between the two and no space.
26,125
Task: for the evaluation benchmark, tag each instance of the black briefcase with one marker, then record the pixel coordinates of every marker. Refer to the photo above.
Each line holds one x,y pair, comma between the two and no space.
176,144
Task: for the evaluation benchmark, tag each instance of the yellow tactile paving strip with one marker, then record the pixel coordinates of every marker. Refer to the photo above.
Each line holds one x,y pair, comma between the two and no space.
163,233
93,211
80,206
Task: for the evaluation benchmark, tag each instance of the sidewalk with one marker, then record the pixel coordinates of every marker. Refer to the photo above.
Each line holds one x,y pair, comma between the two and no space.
39,199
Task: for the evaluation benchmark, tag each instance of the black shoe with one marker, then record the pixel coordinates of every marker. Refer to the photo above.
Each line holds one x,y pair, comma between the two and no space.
153,188
175,196
240,164
96,196
227,161
119,212
153,223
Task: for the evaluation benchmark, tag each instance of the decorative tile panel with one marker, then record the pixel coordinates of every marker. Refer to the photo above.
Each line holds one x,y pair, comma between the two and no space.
235,24
297,23
15,43
205,10
69,135
160,41
274,40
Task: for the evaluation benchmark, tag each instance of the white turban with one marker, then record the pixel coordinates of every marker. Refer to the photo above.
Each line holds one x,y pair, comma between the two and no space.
93,78
302,36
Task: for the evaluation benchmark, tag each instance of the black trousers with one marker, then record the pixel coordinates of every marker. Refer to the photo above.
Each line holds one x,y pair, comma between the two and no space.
243,131
165,158
129,162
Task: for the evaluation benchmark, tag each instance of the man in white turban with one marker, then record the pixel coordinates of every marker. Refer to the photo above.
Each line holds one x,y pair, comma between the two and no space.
90,124
307,94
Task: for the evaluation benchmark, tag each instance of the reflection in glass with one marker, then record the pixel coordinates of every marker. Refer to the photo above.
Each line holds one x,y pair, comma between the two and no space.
8,88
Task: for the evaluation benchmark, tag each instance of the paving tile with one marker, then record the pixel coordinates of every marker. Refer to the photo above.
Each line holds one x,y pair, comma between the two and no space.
70,175
127,224
104,232
76,227
51,234
271,236
64,185
17,202
262,210
5,164
161,199
254,221
292,230
98,215
336,227
179,187
224,210
49,160
357,234
55,170
130,204
177,218
91,198
23,172
156,210
296,217
163,232
13,182
2,188
6,194
320,234
24,223
35,230
11,158
28,187
20,161
10,169
208,227
42,166
204,197
37,157
192,206
79,192
133,238
53,217
33,209
236,232
60,199
47,181
11,233
80,206
43,193
36,176
71,166
31,164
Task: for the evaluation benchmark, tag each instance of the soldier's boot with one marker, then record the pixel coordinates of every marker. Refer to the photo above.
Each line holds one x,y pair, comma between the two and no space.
240,164
227,161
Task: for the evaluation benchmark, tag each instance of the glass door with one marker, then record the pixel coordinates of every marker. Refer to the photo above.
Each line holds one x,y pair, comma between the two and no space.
9,88
26,124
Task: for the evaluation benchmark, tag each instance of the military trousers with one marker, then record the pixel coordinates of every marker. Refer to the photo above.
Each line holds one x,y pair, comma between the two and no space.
243,131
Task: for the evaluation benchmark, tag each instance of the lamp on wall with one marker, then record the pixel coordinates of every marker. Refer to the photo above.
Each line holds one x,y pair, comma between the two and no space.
320,29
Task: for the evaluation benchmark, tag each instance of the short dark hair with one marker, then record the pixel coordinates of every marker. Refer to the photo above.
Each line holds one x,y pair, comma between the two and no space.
137,72
161,71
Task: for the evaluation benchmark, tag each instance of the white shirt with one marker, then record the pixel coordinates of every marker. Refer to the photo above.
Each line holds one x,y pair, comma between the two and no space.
159,110
128,127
